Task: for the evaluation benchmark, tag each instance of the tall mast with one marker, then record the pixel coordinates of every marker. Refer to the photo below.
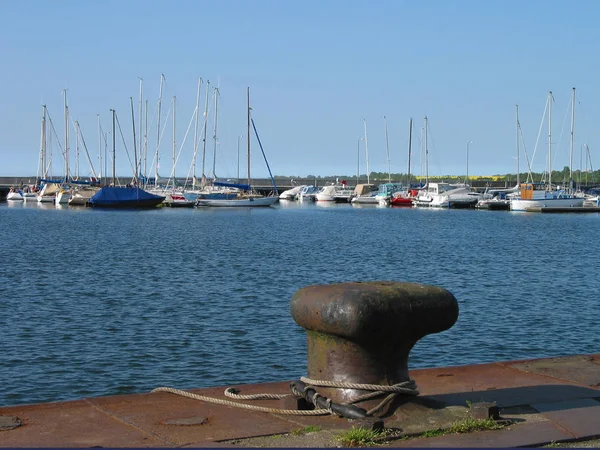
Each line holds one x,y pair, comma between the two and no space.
387,148
66,138
518,151
173,174
135,155
248,133
426,156
77,150
100,148
113,147
215,134
358,161
162,77
572,140
410,127
42,173
550,141
146,144
196,133
204,130
367,151
421,154
141,145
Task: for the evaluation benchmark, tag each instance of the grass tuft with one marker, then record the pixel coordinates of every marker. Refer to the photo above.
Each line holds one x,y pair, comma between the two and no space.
306,430
359,437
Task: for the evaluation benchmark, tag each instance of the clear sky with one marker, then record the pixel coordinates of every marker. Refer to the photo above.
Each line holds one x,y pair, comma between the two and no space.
316,70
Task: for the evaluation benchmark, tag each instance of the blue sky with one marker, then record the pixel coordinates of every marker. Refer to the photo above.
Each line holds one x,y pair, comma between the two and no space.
315,70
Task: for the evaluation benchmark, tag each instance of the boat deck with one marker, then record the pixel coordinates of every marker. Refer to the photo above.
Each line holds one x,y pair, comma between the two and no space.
546,400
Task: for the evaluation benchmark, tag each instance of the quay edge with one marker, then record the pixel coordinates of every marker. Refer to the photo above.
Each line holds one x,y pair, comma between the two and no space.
548,400
263,186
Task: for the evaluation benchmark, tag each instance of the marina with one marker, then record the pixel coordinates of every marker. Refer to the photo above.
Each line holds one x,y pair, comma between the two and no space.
328,225
119,302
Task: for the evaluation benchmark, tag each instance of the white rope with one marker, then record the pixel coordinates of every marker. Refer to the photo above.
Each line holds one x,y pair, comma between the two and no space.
406,387
218,401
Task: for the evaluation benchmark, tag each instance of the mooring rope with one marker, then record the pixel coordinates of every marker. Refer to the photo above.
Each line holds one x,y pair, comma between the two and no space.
408,387
218,401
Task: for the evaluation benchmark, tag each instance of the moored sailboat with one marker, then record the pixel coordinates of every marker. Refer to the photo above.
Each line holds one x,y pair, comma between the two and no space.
246,197
539,195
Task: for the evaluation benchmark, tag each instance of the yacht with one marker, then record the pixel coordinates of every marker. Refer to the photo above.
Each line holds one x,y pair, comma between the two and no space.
334,193
291,194
364,194
307,193
536,195
445,195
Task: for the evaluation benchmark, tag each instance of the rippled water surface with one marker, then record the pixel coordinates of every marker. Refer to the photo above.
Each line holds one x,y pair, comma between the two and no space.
110,302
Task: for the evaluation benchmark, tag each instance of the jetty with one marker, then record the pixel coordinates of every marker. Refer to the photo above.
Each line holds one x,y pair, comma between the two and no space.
359,336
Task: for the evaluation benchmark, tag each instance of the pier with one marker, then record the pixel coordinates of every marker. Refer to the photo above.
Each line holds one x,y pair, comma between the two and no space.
351,336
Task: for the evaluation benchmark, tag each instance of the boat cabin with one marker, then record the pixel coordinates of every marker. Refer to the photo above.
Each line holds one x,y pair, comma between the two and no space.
389,189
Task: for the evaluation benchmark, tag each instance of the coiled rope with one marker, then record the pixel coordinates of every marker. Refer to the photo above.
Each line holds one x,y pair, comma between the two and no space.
406,388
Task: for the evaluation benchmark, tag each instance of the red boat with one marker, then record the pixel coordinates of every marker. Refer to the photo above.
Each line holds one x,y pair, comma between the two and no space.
404,198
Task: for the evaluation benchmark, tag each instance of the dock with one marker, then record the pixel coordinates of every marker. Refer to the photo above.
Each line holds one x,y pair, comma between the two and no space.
581,209
540,402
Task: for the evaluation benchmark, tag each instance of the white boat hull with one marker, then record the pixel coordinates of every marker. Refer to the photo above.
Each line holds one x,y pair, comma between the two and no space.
14,196
62,198
527,205
238,202
365,200
29,196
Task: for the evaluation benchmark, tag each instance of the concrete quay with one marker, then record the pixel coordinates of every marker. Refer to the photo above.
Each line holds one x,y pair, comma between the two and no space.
547,401
359,335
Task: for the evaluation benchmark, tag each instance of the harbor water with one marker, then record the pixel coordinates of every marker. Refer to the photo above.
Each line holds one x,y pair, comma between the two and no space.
96,303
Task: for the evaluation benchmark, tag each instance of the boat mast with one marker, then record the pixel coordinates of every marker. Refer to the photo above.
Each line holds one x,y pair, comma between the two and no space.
426,156
141,148
146,144
76,151
410,127
572,141
135,155
387,149
113,147
421,155
100,147
367,151
204,130
162,77
43,172
518,150
248,132
174,144
66,137
215,134
358,160
196,133
550,140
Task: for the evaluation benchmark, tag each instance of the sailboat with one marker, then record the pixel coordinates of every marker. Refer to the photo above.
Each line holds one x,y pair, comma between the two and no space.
123,197
364,193
247,197
405,197
538,195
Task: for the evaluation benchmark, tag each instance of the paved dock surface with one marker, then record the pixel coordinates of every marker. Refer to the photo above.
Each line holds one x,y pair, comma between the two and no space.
544,401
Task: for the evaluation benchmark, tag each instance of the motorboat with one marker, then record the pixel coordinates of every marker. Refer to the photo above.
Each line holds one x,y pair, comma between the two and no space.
308,193
14,195
445,195
386,191
364,194
291,194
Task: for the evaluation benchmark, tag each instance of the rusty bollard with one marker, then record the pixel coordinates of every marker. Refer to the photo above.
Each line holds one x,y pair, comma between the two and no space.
363,332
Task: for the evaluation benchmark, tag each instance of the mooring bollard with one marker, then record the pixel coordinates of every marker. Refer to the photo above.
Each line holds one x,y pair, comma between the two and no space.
363,332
